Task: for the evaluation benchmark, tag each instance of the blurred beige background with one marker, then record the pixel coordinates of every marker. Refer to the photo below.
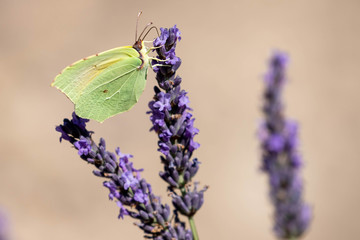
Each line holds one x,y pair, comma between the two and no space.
49,193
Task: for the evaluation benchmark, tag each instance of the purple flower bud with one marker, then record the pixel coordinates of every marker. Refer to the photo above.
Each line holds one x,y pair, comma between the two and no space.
98,173
187,200
149,208
166,212
187,176
144,215
174,174
168,179
180,205
160,219
109,167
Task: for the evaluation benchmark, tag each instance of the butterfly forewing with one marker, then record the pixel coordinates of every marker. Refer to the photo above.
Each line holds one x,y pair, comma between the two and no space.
75,78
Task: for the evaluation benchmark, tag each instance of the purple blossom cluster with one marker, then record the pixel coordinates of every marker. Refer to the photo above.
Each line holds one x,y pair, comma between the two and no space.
174,123
131,192
280,156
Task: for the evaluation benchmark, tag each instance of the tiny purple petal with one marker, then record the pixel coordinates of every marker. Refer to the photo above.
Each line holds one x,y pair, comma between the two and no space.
183,101
123,210
275,143
130,180
140,196
84,146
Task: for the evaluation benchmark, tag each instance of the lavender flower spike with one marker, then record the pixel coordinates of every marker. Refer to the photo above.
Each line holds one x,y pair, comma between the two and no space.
131,192
174,124
4,226
280,157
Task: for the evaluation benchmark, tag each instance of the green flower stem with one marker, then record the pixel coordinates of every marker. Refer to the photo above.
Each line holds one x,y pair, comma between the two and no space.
193,228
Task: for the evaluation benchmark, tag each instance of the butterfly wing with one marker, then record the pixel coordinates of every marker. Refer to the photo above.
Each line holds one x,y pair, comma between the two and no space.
75,78
114,90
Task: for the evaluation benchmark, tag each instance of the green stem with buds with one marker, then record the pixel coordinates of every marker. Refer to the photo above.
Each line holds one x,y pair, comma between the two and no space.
191,219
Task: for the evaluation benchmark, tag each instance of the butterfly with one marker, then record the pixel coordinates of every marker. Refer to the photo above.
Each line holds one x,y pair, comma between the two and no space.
109,82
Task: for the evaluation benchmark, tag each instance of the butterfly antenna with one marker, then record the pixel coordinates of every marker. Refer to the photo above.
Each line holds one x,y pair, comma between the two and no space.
137,23
153,27
150,23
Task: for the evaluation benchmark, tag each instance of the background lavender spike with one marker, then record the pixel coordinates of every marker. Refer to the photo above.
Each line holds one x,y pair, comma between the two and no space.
132,193
174,124
4,226
280,157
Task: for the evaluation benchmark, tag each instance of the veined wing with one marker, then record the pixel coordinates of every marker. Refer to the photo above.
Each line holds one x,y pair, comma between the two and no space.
76,77
113,91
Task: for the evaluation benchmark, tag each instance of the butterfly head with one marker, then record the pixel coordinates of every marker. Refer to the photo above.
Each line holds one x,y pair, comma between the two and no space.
138,45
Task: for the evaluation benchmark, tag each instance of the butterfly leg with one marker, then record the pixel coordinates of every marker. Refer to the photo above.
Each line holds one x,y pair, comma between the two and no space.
159,65
153,48
157,59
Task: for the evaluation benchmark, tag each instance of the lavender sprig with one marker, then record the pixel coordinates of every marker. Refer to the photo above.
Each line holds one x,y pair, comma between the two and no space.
174,124
131,192
280,157
4,226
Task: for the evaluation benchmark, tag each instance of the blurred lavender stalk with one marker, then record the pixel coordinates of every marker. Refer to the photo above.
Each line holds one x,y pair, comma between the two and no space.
174,124
280,157
4,226
131,192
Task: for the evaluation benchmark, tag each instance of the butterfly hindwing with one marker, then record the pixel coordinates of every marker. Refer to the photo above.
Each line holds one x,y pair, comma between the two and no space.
114,90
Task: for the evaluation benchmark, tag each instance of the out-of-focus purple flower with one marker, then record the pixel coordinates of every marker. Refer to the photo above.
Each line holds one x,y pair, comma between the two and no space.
4,226
275,143
281,159
131,192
